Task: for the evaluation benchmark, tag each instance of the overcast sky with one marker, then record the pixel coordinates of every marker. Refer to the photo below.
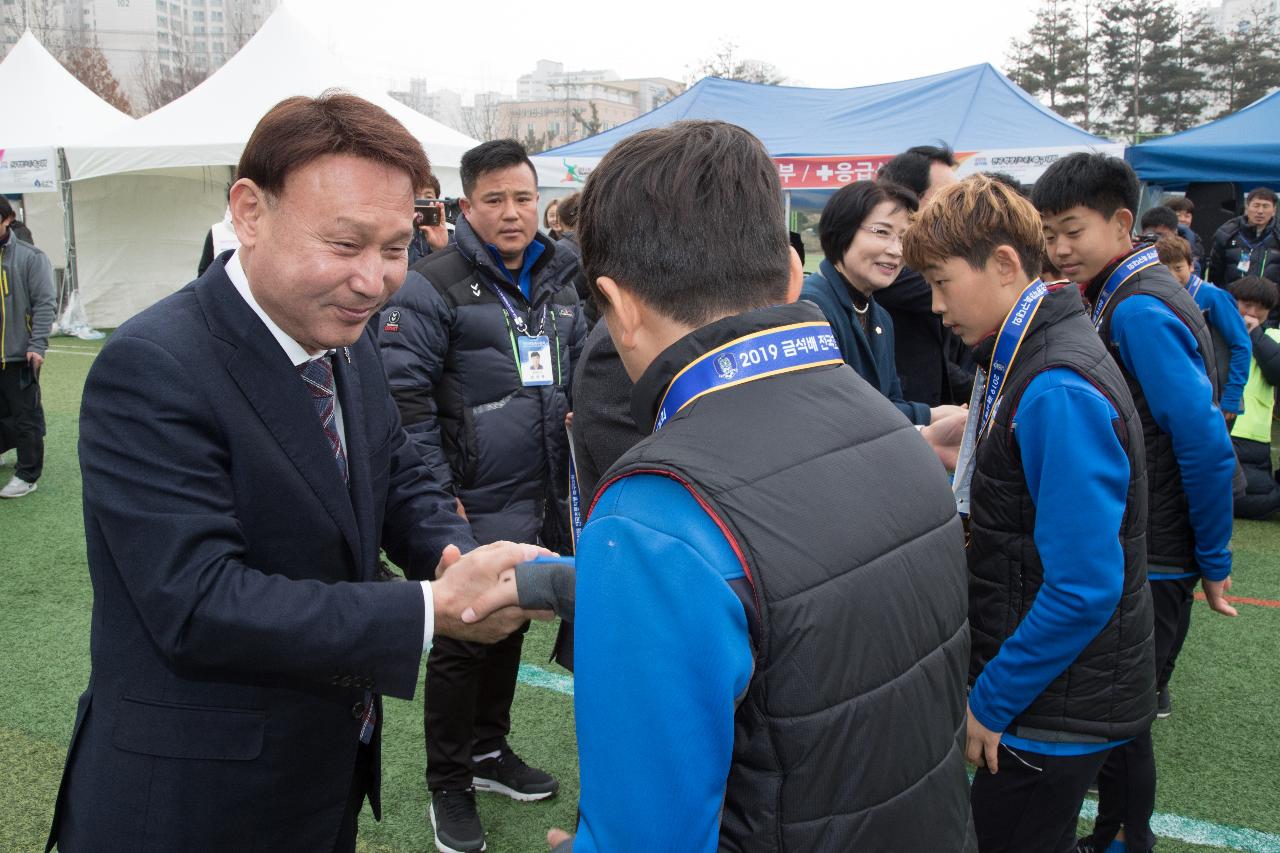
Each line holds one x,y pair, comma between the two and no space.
479,45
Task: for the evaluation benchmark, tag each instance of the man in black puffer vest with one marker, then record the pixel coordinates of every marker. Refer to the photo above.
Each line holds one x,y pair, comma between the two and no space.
479,347
770,628
1160,342
1062,668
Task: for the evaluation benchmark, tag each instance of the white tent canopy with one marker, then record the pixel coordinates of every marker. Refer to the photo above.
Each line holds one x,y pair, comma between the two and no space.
46,108
162,182
210,125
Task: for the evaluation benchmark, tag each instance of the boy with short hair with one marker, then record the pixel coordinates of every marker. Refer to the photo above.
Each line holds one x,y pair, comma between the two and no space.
1256,297
1231,346
782,541
1162,345
1060,617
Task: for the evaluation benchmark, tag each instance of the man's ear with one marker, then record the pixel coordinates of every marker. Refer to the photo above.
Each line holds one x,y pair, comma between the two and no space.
248,203
1124,219
464,204
1007,265
796,280
623,312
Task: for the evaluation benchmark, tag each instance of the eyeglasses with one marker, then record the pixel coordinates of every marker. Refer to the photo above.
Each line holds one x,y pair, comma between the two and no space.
884,235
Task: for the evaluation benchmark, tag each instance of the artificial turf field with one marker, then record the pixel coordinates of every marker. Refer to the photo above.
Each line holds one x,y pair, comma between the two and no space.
1219,754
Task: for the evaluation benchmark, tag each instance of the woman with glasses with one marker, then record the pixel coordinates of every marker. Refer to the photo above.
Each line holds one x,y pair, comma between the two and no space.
861,234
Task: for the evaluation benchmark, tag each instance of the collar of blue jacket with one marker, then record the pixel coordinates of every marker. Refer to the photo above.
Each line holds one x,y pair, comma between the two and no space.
531,254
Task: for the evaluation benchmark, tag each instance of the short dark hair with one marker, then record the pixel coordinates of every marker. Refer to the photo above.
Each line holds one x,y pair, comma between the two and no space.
568,211
433,184
1262,193
849,208
298,130
489,157
689,218
911,168
1159,217
1255,288
1009,181
1180,204
1101,183
6,209
970,220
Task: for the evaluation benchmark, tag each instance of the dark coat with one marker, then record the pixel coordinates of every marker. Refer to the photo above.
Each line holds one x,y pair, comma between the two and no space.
1234,238
933,364
499,446
871,357
230,653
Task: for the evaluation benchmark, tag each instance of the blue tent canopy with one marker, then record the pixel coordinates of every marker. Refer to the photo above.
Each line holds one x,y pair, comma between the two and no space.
1243,148
969,109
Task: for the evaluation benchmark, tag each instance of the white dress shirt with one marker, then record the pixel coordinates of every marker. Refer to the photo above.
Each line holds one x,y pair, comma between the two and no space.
298,355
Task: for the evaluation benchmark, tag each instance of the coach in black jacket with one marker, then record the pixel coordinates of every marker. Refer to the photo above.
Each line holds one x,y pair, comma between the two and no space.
456,343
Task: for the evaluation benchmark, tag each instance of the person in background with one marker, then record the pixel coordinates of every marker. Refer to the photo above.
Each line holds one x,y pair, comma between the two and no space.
466,323
934,365
1161,221
27,309
429,238
1231,345
1248,244
861,232
1251,433
1155,332
788,616
1060,620
551,219
1185,209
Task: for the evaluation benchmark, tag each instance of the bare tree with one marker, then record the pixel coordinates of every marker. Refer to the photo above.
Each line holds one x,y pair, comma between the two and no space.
43,17
163,82
482,120
726,64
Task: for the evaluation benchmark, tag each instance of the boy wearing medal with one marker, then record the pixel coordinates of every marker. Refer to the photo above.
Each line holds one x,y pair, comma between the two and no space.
1161,343
770,641
1059,614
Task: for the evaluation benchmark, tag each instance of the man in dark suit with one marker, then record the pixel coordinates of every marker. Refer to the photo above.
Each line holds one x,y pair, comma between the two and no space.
243,464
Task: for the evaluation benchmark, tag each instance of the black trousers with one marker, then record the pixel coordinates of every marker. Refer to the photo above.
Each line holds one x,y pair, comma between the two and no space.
1262,492
1032,802
346,841
469,688
1127,781
22,418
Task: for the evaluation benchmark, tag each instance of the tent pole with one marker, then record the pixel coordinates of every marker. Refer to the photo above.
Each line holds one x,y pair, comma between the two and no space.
70,279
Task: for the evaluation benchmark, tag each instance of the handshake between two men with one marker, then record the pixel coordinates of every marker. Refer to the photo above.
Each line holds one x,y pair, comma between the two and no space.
490,592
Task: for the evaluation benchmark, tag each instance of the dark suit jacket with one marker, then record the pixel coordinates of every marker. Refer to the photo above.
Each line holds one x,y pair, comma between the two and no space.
235,624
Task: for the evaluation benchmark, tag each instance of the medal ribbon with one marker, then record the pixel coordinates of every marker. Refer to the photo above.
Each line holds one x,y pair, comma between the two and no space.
1131,266
755,356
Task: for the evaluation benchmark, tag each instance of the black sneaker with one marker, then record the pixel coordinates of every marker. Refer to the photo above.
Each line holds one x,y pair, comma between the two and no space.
507,774
455,822
1164,704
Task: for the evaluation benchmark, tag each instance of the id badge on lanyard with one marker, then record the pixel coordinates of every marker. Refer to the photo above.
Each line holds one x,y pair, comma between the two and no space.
534,360
1243,264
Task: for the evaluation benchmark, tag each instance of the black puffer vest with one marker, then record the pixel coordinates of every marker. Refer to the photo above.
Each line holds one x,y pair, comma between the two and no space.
1108,692
1171,544
847,736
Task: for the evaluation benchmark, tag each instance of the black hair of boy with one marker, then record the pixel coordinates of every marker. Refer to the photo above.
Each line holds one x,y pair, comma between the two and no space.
911,168
1159,217
850,206
1181,204
1261,193
1095,181
1256,289
690,242
490,157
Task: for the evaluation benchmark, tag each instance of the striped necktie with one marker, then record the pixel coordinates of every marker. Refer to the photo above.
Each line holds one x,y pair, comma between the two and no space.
318,376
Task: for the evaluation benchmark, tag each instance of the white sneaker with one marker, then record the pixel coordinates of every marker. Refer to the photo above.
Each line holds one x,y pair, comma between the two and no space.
17,488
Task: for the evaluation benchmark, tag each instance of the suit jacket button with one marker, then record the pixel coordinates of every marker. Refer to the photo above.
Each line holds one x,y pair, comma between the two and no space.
357,710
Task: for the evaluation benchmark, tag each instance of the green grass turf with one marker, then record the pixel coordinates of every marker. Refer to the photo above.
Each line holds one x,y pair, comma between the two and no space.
1218,753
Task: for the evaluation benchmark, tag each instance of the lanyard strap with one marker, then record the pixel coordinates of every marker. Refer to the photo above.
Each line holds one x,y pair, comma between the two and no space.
1009,341
514,317
1131,266
755,356
575,495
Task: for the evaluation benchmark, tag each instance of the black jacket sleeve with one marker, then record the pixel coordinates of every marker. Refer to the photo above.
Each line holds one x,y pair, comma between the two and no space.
1266,352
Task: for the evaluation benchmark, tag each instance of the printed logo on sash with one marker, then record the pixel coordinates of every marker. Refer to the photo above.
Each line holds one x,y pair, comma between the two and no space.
755,356
1128,268
393,322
